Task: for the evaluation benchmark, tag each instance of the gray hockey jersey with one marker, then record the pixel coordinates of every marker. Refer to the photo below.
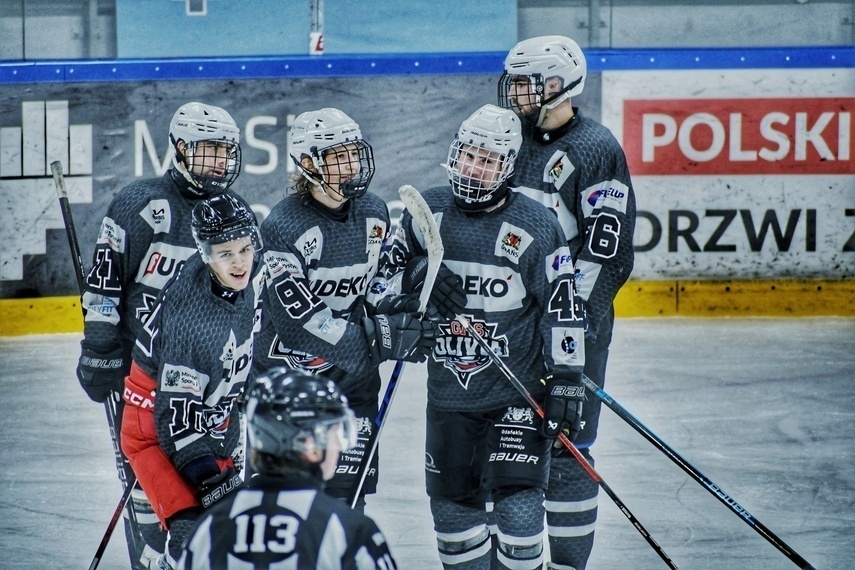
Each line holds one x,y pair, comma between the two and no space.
320,268
582,176
517,273
197,346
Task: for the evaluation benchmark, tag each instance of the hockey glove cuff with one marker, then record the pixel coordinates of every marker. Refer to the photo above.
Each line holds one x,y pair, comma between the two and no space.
562,406
101,371
447,295
401,336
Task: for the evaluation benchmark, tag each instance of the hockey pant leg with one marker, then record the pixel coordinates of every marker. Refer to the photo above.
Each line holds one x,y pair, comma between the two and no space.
519,521
571,512
462,537
145,537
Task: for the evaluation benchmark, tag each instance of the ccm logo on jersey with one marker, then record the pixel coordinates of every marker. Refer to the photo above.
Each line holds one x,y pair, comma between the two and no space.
514,457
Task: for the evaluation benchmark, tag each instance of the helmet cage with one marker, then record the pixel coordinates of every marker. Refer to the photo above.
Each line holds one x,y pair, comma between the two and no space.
222,219
211,157
362,165
211,165
485,170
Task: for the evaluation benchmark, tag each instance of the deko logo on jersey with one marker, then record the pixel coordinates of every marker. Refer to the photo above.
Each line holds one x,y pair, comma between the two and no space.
460,352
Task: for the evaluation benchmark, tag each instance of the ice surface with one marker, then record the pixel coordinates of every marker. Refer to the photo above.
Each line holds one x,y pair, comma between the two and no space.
763,407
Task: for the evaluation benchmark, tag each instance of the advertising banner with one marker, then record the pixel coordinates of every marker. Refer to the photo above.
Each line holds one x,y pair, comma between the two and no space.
739,174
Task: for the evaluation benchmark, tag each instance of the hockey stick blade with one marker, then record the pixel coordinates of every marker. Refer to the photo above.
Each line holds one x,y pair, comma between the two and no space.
423,217
564,440
424,220
699,477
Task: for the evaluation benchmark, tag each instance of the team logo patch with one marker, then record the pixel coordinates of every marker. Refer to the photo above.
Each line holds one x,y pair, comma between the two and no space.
310,247
158,215
460,352
512,242
297,359
567,346
558,169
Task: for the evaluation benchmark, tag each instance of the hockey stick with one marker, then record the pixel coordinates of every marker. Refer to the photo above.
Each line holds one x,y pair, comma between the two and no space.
717,492
128,479
563,438
422,216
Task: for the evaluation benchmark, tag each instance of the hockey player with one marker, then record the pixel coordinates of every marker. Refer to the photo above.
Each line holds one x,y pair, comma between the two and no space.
573,165
323,246
181,429
143,241
298,425
483,439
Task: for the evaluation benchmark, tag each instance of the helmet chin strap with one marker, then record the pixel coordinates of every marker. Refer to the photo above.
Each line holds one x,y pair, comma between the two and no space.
549,104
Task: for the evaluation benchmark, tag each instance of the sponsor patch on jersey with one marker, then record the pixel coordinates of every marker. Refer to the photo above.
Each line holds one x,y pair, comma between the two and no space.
340,287
515,415
158,215
112,234
568,346
161,262
311,244
279,262
376,230
607,194
558,169
512,242
489,287
460,352
182,379
559,263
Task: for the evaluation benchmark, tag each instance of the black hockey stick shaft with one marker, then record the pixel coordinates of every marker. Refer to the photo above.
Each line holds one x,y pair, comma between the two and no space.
370,446
705,481
564,440
422,216
127,477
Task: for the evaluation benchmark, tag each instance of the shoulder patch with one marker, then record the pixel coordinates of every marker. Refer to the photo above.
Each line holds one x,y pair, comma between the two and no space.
512,242
558,169
158,215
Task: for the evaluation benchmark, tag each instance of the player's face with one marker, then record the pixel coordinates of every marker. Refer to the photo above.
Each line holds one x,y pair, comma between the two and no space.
335,437
522,93
479,166
211,158
231,262
341,163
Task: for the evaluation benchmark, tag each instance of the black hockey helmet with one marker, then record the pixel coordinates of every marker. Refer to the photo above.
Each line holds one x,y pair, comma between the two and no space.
221,219
287,407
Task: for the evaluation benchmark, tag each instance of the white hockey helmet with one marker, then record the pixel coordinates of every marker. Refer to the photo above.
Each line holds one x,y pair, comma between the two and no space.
210,168
535,60
482,155
315,132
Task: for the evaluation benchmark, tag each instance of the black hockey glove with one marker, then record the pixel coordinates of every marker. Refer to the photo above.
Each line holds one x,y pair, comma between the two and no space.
447,295
562,406
215,488
401,336
101,371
